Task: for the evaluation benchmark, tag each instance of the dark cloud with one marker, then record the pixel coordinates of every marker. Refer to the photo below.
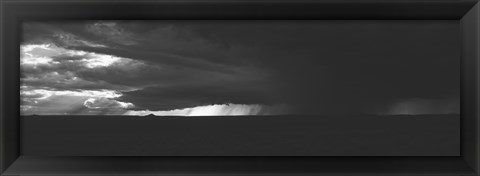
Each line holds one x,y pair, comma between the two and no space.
318,67
113,33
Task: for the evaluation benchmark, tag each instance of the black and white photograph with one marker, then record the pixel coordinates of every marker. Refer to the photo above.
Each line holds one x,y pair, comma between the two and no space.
239,87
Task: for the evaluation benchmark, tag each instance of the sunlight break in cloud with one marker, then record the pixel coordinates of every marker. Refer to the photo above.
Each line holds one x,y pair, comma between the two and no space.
218,110
99,103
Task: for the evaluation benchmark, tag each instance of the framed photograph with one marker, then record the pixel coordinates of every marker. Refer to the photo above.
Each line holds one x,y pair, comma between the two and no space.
249,87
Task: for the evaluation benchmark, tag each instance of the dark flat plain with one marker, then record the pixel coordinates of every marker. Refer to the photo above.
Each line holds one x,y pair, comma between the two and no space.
401,135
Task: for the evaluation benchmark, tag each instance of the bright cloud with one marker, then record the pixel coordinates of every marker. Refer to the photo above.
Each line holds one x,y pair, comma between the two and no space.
81,93
33,54
99,103
36,61
51,83
40,101
101,61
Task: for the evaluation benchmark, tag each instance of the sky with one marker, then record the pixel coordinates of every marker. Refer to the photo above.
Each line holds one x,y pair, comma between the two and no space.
209,68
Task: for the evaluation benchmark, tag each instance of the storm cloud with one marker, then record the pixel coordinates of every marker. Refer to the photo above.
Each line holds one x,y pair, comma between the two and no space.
311,67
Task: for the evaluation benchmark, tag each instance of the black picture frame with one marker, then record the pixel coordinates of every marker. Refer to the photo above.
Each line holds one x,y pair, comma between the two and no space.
13,12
